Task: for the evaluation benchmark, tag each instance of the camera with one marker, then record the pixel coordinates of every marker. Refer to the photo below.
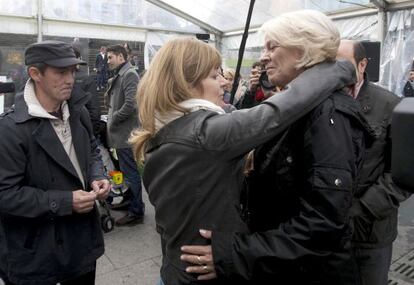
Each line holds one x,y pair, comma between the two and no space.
7,87
264,82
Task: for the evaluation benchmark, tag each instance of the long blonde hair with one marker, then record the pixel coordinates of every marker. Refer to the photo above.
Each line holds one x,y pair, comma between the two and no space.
179,66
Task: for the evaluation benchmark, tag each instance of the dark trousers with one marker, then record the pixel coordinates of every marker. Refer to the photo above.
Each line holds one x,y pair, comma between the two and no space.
374,264
85,279
101,79
128,166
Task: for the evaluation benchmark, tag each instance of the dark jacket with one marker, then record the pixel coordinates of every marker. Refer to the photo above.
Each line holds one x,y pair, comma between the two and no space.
101,63
299,200
408,90
193,167
122,113
88,85
41,240
378,198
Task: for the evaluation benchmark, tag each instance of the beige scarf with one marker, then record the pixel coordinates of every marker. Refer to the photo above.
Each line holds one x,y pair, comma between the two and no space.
192,105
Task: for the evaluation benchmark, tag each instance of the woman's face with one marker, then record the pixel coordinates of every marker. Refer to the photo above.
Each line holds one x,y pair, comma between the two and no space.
229,83
280,63
213,87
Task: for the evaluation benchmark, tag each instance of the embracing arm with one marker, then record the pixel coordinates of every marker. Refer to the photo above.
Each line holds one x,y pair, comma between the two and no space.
237,133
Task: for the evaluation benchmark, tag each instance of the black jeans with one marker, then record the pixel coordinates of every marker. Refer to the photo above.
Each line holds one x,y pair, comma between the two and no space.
374,264
85,279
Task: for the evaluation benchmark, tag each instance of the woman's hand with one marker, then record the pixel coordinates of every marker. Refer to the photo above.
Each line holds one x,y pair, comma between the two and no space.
201,258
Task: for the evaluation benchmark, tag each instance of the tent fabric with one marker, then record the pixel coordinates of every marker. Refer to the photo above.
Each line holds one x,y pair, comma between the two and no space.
397,51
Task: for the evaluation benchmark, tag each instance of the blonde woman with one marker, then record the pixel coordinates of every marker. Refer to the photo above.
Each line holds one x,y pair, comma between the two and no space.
301,188
194,152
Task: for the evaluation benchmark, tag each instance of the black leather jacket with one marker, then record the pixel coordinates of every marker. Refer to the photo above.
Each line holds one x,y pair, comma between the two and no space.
193,167
378,198
300,195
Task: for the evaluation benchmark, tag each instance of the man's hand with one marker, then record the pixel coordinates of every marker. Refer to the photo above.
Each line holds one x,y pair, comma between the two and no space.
83,201
100,188
202,257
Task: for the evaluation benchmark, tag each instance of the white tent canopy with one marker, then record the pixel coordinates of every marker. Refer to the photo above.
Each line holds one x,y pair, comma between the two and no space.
154,21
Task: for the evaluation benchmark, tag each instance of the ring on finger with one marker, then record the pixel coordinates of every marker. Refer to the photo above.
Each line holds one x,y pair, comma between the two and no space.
198,259
205,267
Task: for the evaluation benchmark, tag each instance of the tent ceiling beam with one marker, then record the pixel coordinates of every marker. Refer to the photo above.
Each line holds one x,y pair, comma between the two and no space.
186,16
380,4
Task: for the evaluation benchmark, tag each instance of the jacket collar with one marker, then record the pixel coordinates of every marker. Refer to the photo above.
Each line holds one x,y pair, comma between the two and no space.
35,109
22,106
124,68
364,97
343,105
362,91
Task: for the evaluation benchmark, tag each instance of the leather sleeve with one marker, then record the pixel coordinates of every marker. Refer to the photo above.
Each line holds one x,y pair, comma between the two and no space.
237,133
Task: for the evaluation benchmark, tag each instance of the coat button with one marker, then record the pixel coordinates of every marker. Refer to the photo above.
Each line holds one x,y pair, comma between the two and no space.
366,109
338,182
53,205
289,159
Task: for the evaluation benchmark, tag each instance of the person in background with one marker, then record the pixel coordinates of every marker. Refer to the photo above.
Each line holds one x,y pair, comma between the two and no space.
408,90
194,153
122,119
377,198
255,93
101,68
229,75
51,173
300,190
87,84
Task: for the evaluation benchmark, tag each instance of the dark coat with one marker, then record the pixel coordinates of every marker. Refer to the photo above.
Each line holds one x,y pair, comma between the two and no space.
193,166
88,85
101,63
122,113
299,200
41,240
378,198
408,90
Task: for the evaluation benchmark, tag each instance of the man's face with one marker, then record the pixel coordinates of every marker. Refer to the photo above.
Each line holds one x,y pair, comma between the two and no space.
56,84
114,60
346,51
412,75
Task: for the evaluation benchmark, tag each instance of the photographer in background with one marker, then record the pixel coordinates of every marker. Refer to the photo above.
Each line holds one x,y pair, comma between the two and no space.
409,86
259,88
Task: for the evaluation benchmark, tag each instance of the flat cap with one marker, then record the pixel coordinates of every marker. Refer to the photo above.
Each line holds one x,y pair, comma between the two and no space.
53,53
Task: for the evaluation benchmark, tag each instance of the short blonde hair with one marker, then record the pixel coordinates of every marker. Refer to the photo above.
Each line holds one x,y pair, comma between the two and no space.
229,72
180,65
310,31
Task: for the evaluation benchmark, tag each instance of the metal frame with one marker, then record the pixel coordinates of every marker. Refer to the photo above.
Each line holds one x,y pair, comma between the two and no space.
186,16
379,7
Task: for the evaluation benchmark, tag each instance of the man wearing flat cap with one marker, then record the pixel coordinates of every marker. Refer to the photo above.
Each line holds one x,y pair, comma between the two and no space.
50,175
